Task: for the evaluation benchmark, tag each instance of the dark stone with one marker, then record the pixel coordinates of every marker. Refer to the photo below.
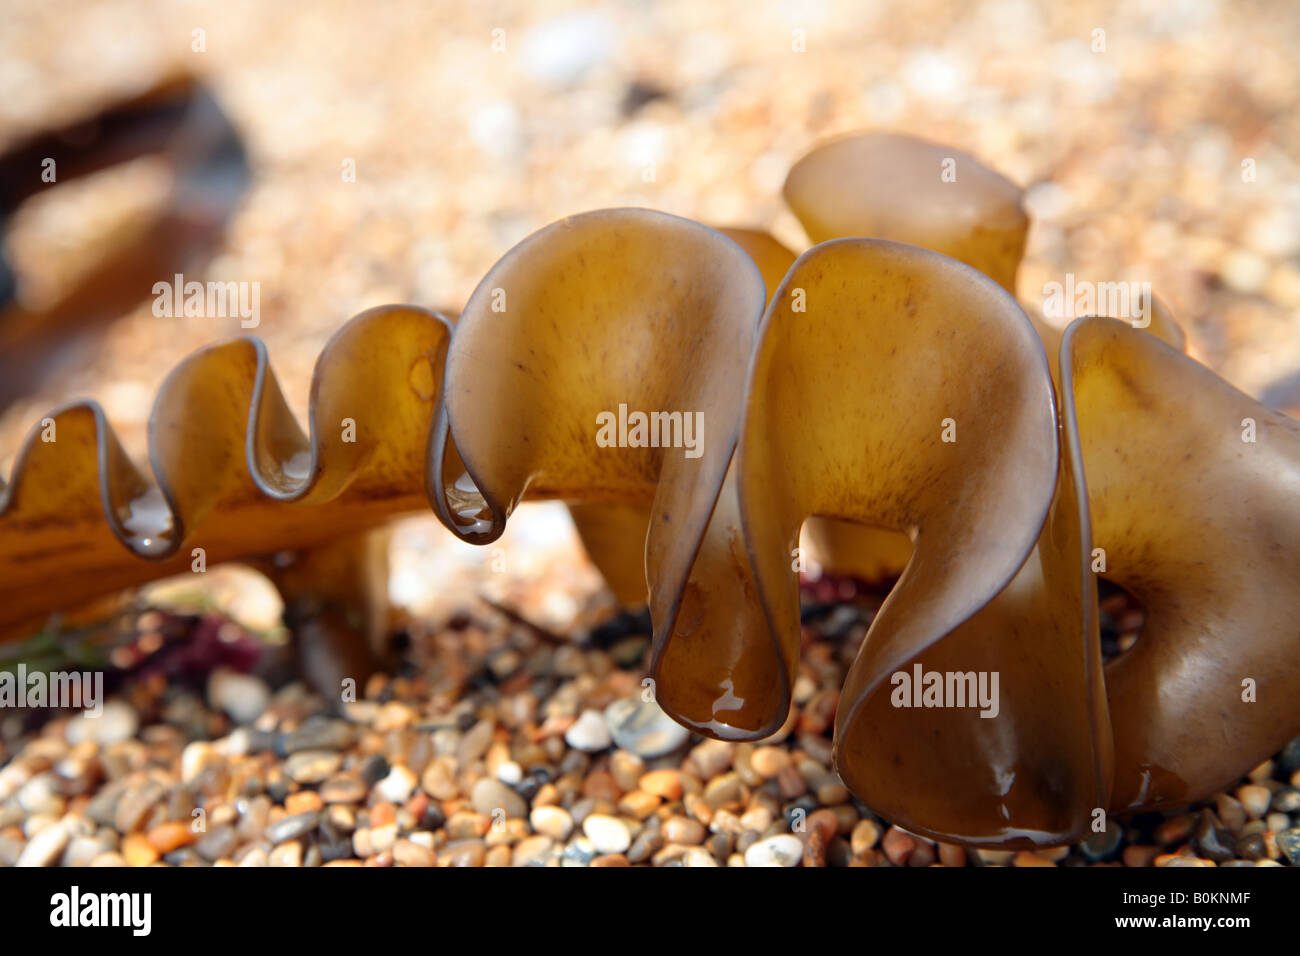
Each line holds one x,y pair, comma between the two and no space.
319,733
1212,840
625,623
647,843
433,818
638,93
1250,846
373,769
533,781
839,853
333,845
721,845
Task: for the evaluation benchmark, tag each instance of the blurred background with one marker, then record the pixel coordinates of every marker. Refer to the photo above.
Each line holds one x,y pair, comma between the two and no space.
394,150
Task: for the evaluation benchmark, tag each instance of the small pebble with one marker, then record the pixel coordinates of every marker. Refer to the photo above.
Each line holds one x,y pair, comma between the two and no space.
117,722
291,828
286,854
681,829
768,762
138,851
951,855
589,733
167,837
607,834
780,850
665,784
643,728
463,853
312,766
533,851
45,848
554,822
242,696
898,845
489,796
408,853
1255,799
398,785
865,835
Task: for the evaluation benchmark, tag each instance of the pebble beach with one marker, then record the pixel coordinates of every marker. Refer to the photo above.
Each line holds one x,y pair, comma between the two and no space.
498,743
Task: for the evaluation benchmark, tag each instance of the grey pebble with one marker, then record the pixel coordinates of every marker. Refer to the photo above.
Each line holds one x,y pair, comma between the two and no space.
218,843
643,728
290,828
312,766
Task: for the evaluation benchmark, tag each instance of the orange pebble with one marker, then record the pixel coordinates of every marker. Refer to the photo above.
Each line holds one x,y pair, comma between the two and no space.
304,801
171,836
137,850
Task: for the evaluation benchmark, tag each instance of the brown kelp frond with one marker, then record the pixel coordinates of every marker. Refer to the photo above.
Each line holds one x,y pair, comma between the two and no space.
576,352
614,534
862,406
1192,487
77,515
1011,704
893,186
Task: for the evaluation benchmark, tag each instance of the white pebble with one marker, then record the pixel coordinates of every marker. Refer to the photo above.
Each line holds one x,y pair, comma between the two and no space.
194,758
115,722
45,848
554,822
780,850
643,728
398,785
561,50
607,834
39,795
242,696
589,733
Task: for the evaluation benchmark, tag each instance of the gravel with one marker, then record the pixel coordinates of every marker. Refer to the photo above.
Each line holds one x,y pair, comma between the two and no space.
439,768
